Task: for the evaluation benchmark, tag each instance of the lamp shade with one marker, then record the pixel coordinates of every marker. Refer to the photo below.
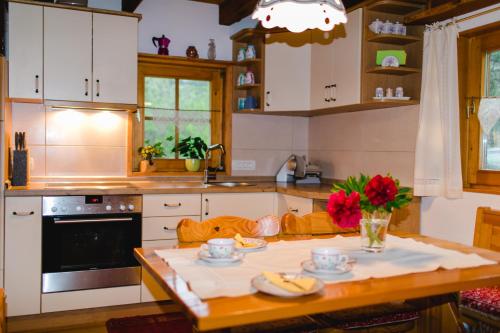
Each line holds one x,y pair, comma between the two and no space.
300,15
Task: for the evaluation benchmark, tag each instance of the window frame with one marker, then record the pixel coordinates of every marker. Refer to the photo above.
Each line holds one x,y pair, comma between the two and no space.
219,73
473,47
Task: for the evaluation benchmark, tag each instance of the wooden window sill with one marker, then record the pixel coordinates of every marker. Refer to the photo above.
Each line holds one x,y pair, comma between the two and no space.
483,189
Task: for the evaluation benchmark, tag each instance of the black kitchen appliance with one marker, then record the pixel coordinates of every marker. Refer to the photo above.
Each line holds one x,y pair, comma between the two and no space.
88,242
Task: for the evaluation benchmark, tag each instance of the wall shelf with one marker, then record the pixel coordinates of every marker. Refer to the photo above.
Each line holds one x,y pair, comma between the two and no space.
396,7
393,70
392,39
248,62
248,86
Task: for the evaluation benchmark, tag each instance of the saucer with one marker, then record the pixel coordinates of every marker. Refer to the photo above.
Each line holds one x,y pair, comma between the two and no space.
309,266
265,286
235,257
259,245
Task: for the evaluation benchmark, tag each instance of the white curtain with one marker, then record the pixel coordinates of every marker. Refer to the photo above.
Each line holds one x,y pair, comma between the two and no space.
437,158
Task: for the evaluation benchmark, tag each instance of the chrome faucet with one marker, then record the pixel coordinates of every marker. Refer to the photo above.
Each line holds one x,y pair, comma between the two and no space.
206,174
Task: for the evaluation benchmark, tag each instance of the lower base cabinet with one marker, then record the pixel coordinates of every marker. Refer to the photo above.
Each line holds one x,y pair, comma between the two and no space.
295,205
248,205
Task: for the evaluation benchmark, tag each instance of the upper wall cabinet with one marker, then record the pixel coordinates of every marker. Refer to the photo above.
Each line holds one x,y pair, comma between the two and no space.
336,64
25,51
67,54
115,59
72,55
287,72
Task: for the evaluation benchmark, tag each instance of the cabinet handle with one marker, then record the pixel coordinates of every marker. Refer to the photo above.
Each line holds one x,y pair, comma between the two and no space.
206,207
333,92
166,228
37,84
86,87
268,95
326,94
296,210
172,205
98,88
23,213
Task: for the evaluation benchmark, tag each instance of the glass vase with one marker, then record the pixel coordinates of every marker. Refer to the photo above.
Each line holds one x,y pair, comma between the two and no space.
374,230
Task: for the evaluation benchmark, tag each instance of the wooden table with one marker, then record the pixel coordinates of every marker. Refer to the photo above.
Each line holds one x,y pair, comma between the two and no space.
227,312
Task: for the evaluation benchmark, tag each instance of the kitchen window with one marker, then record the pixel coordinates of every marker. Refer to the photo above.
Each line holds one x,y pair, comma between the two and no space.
479,70
179,99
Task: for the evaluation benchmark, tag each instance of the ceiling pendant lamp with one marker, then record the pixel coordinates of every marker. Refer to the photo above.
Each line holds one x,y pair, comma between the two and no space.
300,15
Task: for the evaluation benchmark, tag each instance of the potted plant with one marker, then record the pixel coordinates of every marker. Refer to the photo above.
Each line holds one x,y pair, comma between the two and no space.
148,153
367,202
192,149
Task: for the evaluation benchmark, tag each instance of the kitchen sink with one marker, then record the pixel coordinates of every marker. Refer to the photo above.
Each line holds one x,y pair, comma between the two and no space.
231,184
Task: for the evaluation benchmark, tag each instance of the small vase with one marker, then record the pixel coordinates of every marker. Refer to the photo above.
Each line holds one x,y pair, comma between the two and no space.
146,166
374,230
193,165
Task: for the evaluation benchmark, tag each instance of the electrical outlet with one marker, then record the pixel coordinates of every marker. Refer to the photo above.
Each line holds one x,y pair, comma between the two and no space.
244,165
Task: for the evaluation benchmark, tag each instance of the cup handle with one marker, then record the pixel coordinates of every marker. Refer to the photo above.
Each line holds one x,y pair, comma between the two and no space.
204,247
344,259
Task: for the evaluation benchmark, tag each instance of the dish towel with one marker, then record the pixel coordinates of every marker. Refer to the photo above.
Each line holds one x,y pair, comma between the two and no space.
489,113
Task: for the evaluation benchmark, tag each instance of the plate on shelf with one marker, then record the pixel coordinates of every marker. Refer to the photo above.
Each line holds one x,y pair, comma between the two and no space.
262,284
392,98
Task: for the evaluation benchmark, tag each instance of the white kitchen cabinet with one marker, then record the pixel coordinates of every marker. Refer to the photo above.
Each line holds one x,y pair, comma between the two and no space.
248,205
67,54
336,64
287,72
25,51
293,204
171,205
23,255
114,59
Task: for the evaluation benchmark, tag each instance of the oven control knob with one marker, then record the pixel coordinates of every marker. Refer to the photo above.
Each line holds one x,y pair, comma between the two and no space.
64,209
78,208
108,208
122,208
131,207
54,209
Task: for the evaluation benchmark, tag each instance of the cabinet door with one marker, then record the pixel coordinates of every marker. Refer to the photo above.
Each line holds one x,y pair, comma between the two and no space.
287,72
114,59
67,54
25,51
248,205
321,69
347,62
23,258
295,205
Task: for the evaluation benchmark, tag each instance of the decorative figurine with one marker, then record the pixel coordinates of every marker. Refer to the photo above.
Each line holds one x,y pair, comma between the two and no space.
241,54
163,43
250,53
249,77
191,52
211,49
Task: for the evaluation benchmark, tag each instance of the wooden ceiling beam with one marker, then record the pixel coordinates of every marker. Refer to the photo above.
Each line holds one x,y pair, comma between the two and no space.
130,5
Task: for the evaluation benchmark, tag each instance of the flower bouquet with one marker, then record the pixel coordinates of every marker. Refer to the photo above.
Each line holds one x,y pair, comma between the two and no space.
368,203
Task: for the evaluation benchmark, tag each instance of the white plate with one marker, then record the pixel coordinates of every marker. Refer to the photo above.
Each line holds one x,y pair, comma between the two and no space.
393,98
235,257
309,266
259,245
265,286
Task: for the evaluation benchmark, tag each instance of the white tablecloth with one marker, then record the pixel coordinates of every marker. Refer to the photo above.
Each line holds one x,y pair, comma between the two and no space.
401,256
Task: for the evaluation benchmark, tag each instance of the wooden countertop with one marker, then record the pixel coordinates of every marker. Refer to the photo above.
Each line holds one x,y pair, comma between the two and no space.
321,192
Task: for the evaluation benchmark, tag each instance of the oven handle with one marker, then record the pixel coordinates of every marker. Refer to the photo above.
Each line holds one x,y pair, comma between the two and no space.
118,219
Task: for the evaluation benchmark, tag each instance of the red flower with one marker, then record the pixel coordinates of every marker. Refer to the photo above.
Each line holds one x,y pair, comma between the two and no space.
345,210
381,190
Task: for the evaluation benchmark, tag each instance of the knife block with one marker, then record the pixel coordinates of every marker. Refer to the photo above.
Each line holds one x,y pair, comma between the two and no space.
20,168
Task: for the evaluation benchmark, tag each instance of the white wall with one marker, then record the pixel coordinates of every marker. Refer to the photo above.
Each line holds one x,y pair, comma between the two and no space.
185,23
454,219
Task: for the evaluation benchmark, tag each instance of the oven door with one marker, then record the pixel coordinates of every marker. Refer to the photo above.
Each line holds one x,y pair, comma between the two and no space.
90,251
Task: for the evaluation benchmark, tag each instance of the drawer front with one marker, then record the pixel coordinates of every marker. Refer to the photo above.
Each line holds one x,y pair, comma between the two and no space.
157,228
171,205
295,205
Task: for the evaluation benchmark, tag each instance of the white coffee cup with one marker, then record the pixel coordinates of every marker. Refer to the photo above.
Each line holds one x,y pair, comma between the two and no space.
400,92
379,92
220,247
328,258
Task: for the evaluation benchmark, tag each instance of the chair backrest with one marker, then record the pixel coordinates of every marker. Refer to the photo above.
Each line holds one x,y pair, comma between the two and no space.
487,231
318,223
189,231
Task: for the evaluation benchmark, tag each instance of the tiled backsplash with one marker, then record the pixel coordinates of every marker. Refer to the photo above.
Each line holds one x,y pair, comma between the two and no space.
73,142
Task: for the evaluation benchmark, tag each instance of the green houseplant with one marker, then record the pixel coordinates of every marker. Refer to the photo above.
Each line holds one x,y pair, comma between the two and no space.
148,153
192,149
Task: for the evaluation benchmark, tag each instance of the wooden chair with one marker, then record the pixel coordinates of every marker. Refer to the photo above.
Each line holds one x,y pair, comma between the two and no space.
383,318
480,308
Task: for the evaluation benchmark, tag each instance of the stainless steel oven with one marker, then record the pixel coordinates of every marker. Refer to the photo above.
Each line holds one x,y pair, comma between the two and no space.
88,242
